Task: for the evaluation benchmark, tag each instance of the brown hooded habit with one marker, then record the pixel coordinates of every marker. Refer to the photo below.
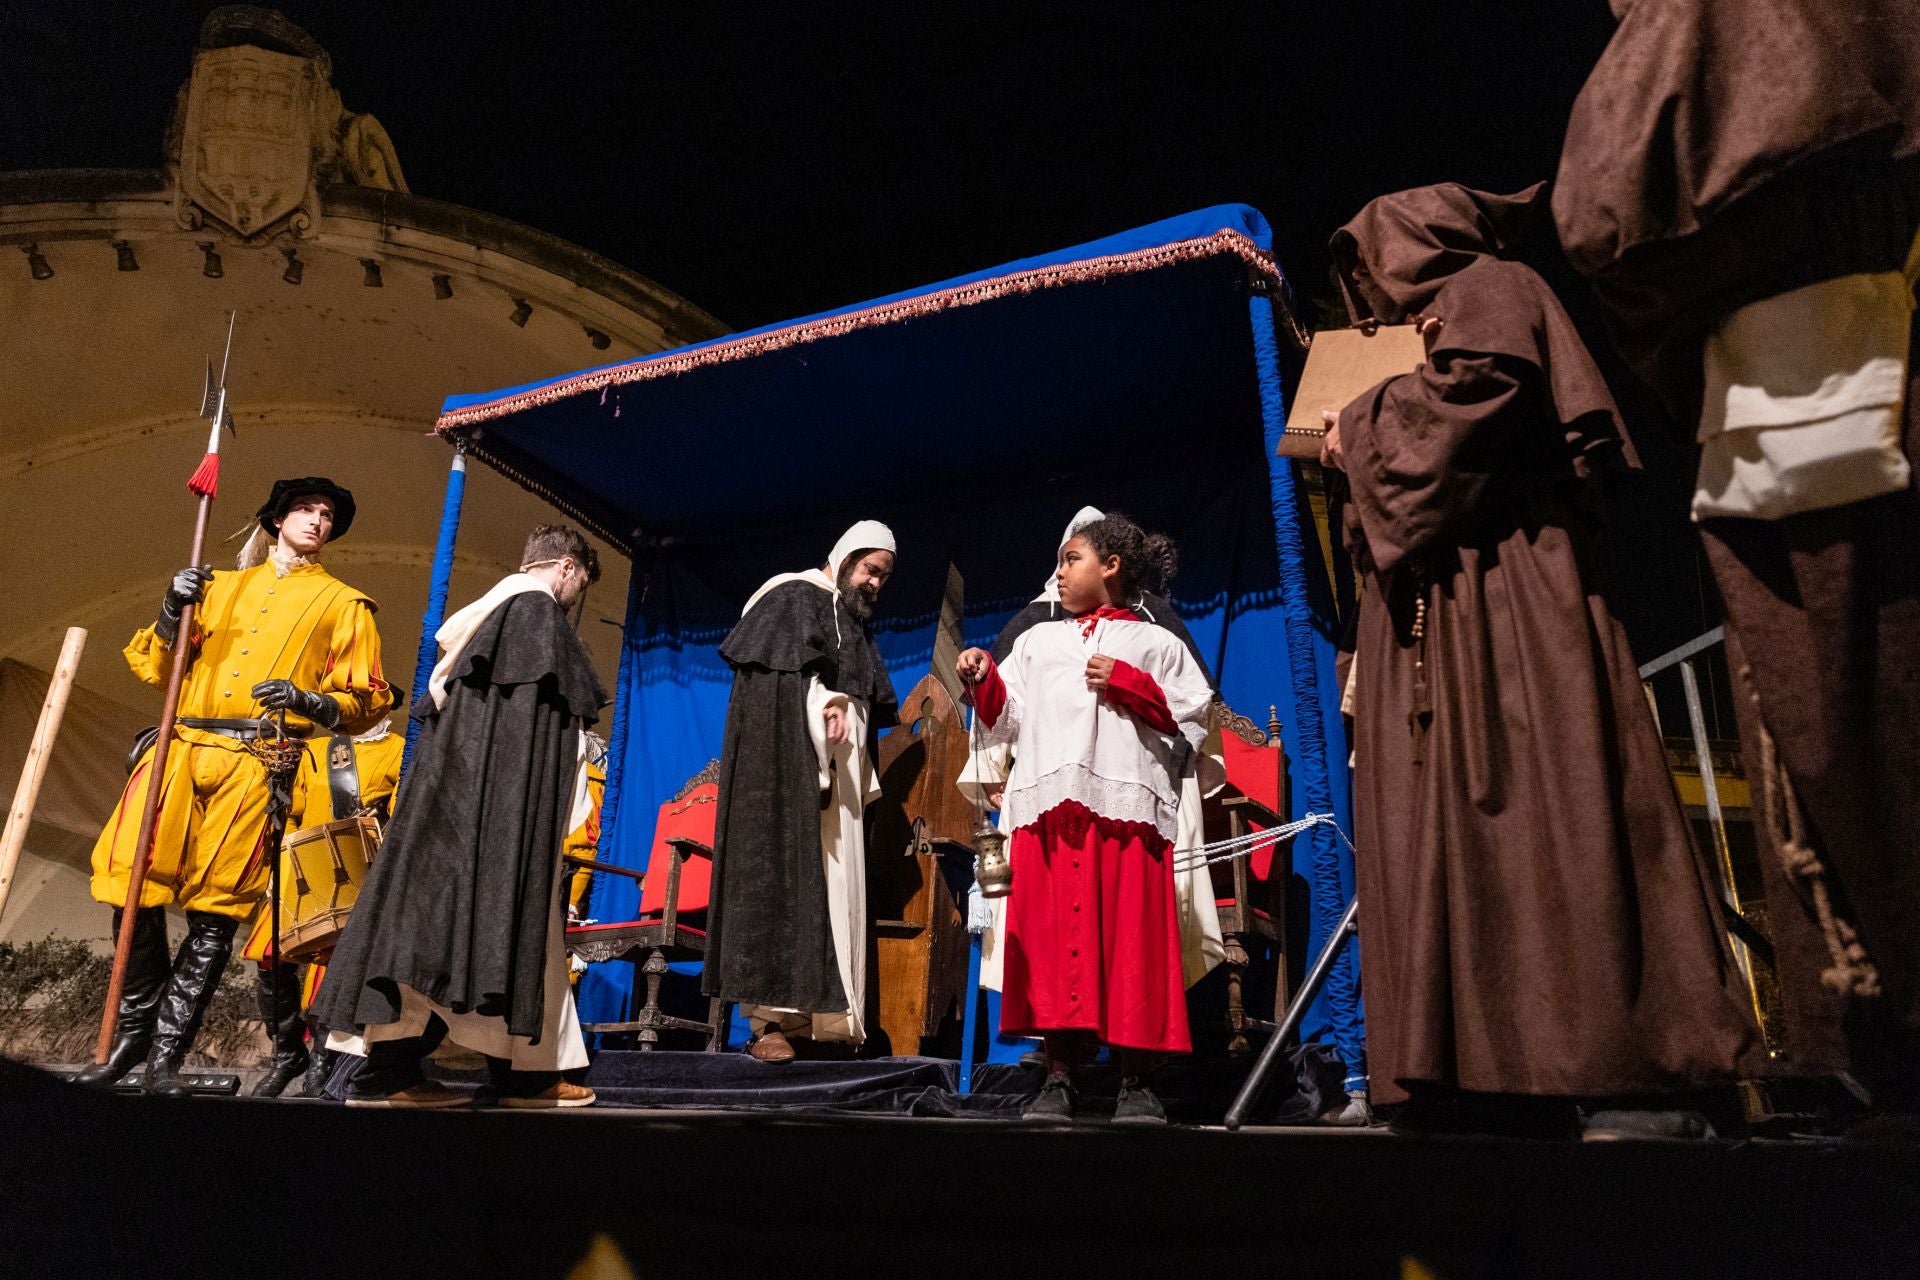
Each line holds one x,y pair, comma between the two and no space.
1720,154
1536,919
1728,150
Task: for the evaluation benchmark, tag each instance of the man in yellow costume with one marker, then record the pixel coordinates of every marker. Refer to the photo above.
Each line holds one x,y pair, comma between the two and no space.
282,635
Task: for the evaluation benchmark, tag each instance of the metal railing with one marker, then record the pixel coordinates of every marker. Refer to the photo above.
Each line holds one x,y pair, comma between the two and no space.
1745,936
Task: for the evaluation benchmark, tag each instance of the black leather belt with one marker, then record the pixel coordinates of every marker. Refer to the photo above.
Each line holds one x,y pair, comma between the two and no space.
245,730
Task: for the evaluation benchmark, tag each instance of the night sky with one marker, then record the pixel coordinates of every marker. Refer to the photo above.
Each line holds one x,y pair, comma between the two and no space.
767,161
771,160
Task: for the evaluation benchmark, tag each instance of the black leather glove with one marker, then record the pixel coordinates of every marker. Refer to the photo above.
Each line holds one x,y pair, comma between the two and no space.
276,695
187,587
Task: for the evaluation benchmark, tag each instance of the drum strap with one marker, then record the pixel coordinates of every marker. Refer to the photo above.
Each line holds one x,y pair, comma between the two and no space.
343,776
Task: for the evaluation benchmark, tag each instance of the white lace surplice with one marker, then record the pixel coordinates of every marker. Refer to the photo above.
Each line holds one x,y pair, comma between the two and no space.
1072,745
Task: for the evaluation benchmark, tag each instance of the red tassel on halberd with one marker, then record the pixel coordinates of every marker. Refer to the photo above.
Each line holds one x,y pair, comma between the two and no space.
206,477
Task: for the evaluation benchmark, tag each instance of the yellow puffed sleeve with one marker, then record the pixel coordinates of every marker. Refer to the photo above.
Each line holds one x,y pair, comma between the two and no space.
353,678
148,656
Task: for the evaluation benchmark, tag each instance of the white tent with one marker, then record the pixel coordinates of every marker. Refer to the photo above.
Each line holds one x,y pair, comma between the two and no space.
85,774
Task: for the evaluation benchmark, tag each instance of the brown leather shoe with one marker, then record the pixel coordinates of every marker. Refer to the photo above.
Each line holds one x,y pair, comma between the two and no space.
428,1095
770,1046
561,1094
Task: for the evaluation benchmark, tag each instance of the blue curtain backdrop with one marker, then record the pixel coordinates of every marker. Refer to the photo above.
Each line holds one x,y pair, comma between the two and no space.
975,431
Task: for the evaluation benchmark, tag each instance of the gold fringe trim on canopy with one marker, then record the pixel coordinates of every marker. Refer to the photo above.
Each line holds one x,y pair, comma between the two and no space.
1222,242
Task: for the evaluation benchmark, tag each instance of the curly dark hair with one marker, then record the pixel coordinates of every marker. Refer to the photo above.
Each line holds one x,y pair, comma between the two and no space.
1148,561
554,541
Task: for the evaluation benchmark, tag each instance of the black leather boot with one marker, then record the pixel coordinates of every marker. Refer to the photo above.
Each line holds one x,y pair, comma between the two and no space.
147,972
278,992
196,975
319,1065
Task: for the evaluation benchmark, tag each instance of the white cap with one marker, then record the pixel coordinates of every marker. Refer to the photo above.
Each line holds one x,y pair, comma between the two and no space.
867,535
1084,517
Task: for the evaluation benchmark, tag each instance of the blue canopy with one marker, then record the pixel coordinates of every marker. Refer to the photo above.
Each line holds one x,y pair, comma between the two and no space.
1141,373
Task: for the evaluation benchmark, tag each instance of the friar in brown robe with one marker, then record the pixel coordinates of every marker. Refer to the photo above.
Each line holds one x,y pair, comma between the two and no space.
1724,154
1535,917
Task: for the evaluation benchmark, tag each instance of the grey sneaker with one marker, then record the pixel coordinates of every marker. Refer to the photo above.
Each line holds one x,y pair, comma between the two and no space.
1053,1104
1137,1104
1647,1125
1351,1112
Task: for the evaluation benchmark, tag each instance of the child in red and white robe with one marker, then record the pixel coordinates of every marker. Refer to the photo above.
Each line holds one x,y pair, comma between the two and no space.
1102,708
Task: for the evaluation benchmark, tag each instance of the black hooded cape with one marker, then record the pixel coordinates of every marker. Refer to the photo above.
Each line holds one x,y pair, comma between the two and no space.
458,903
769,938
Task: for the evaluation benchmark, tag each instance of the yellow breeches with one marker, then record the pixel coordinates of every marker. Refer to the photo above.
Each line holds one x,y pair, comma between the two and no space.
256,944
206,838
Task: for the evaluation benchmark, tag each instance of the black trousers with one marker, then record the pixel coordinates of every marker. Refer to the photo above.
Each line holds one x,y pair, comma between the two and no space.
393,1066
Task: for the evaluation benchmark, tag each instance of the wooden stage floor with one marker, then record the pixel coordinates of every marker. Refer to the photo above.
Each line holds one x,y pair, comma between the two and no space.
107,1185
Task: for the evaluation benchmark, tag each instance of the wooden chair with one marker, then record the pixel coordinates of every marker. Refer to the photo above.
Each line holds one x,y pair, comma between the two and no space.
919,863
674,888
1250,892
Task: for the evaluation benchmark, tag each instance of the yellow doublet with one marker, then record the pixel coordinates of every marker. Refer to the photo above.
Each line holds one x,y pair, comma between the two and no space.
583,840
303,625
378,764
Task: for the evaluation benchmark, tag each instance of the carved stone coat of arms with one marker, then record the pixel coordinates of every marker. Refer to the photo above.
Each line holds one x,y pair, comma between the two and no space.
247,149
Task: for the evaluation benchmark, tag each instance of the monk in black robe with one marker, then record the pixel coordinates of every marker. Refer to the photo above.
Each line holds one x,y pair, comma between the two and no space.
1711,180
457,933
1535,919
787,930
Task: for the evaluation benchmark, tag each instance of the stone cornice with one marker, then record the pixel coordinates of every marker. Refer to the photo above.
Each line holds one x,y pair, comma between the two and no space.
63,205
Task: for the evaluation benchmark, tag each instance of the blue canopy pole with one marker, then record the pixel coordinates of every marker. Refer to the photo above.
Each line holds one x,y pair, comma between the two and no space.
973,1008
437,592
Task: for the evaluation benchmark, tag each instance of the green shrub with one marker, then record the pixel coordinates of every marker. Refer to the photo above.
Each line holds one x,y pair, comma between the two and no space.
52,991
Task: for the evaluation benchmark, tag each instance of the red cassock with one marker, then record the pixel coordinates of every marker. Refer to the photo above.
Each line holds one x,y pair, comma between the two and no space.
1092,935
1092,940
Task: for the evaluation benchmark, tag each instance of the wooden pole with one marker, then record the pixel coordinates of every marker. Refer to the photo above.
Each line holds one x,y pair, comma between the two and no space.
156,780
34,771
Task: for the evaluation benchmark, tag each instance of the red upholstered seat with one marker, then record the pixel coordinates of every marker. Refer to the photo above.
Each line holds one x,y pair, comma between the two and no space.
1251,891
678,882
1256,772
691,817
1260,774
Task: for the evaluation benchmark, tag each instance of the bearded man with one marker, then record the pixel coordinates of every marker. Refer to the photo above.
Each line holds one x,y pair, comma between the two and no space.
787,935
